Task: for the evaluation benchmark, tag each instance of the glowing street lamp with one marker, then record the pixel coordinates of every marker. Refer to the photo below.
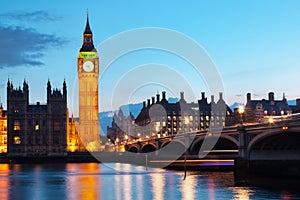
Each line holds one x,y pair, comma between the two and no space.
117,143
126,138
241,112
271,120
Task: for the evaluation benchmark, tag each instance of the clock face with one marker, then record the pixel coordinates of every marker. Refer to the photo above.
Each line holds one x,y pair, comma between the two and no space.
88,66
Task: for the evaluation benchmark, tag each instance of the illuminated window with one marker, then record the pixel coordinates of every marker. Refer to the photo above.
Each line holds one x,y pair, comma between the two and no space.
37,127
164,123
169,117
174,117
17,140
207,118
17,126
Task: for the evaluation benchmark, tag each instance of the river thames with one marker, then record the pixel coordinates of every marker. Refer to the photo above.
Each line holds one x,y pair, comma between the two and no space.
123,181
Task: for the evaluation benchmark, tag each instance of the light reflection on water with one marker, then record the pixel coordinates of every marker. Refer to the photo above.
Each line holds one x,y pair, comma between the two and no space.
122,181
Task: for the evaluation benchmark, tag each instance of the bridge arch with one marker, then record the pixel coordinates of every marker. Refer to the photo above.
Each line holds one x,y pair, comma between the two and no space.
173,141
275,140
147,148
133,149
224,142
173,147
275,145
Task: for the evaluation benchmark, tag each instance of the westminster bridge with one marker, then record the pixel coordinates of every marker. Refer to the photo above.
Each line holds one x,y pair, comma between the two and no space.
251,146
277,140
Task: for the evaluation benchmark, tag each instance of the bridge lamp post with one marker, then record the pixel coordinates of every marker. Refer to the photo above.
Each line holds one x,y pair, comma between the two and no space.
271,120
117,144
156,130
126,138
241,112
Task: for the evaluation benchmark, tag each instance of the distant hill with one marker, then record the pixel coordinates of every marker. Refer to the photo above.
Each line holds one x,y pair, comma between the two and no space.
292,102
106,117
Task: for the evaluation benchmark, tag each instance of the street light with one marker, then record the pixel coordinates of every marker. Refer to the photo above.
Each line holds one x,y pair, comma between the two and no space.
126,138
241,112
271,120
117,144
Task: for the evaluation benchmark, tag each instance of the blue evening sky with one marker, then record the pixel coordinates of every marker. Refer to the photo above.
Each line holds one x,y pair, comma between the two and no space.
255,45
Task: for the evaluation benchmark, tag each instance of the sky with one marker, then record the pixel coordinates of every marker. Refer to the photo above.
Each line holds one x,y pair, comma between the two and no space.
253,45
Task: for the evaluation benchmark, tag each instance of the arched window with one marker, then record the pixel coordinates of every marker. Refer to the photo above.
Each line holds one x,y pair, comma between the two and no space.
17,125
17,140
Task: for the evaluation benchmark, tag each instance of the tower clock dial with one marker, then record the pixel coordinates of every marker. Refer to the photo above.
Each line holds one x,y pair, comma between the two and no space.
88,66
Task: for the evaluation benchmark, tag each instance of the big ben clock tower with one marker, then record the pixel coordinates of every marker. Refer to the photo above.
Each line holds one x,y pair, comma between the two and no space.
88,73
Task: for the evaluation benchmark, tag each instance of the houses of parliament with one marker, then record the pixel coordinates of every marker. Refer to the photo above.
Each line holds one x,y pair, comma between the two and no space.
46,129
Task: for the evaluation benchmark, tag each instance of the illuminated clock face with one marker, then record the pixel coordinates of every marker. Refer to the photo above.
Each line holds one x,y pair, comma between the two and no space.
88,66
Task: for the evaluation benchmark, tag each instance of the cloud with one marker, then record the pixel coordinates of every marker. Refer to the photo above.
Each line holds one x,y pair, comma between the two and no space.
25,46
238,95
36,16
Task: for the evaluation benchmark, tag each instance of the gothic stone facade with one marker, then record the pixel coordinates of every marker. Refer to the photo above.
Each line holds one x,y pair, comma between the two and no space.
36,130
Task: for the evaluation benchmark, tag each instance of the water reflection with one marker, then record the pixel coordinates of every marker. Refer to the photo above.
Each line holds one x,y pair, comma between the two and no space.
101,181
211,188
241,193
127,192
83,181
4,181
158,184
140,183
188,190
123,182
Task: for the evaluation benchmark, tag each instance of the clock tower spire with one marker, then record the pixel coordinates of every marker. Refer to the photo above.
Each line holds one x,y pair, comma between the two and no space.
88,73
87,44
